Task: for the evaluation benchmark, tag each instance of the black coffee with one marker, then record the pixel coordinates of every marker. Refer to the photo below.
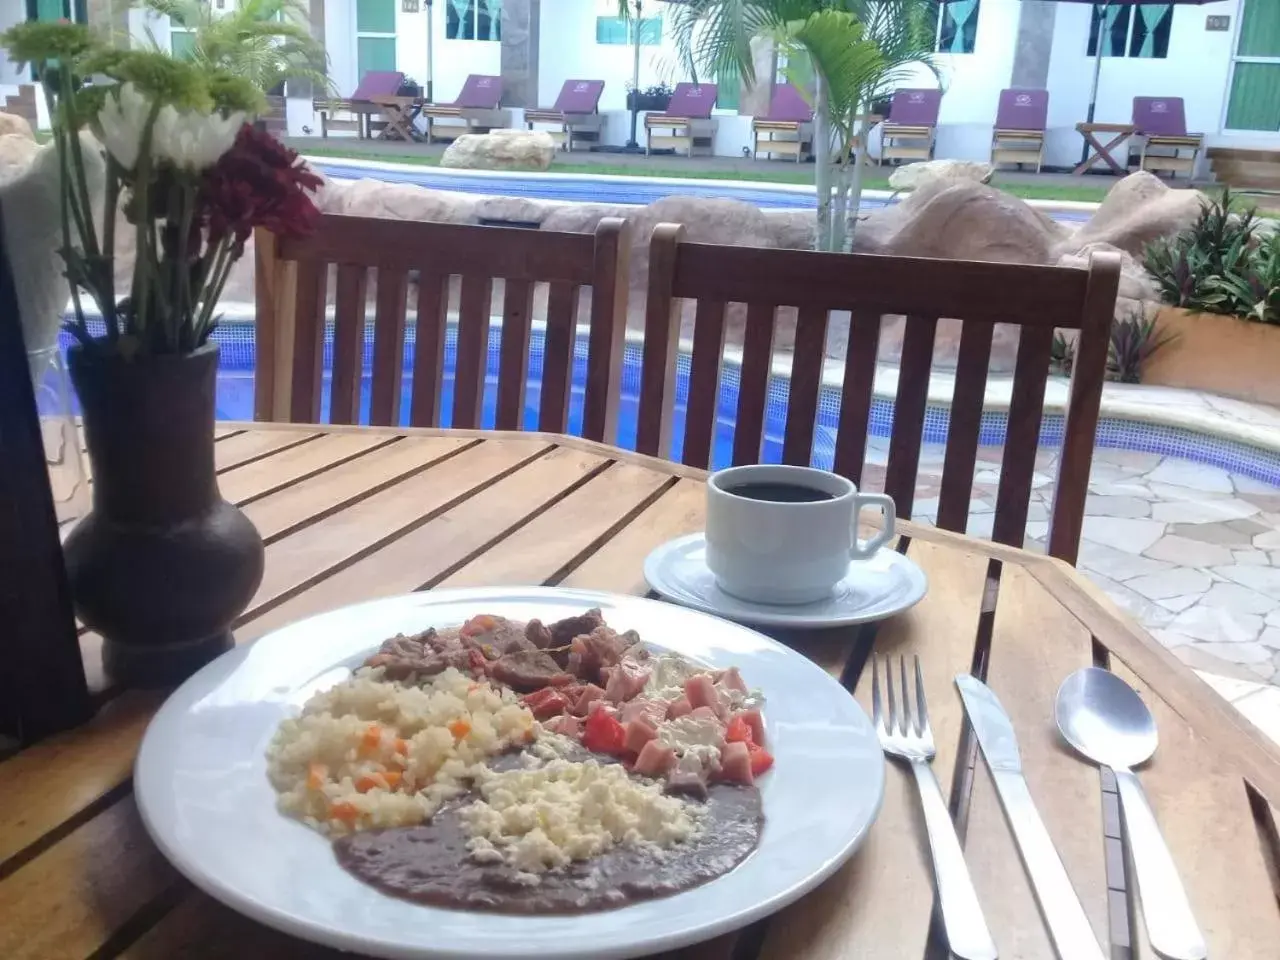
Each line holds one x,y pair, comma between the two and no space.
779,492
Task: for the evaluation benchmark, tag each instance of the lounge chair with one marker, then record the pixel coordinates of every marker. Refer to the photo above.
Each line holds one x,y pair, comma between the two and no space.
912,127
477,107
357,112
1161,122
576,113
687,117
789,116
1018,136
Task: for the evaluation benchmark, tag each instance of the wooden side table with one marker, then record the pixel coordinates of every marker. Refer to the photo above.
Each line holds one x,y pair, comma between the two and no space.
1100,151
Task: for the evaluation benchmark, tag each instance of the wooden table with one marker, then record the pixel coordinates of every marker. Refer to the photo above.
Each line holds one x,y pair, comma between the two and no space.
1100,151
354,513
398,115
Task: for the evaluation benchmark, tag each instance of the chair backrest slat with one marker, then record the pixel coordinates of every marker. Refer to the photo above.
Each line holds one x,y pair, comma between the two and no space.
472,362
428,351
702,407
856,394
753,382
308,342
291,299
513,369
1022,435
388,346
979,294
661,343
808,357
348,343
557,358
965,426
608,334
909,408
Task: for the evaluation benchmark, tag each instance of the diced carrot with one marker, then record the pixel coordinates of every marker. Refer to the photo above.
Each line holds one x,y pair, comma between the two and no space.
402,747
367,782
459,728
346,812
372,738
393,778
317,773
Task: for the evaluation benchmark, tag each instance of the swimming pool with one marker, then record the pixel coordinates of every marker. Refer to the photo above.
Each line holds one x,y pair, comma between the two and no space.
235,402
571,188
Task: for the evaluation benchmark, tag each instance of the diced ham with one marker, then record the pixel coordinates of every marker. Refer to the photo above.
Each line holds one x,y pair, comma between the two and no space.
679,708
639,732
701,691
655,711
687,783
546,703
654,760
755,721
731,679
626,680
735,764
590,694
566,725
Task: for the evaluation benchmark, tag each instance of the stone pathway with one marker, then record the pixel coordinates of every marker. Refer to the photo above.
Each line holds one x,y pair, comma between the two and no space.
1191,551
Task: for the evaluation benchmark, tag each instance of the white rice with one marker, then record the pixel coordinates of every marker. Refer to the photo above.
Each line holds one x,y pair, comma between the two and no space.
331,764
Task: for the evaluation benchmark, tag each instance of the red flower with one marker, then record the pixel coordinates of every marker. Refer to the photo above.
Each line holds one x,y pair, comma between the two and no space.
259,182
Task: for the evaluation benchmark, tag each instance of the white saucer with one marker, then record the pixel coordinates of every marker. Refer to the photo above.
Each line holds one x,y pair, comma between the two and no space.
873,589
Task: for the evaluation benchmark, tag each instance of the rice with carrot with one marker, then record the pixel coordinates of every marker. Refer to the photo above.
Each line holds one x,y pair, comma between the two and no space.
375,753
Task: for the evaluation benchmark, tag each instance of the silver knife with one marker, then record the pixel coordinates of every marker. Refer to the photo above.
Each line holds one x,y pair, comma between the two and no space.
1068,925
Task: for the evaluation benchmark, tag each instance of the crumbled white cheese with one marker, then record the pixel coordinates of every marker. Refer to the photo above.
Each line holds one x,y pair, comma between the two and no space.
698,738
541,819
669,673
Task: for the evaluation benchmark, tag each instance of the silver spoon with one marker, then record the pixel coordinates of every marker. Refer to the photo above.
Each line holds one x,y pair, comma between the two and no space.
1105,719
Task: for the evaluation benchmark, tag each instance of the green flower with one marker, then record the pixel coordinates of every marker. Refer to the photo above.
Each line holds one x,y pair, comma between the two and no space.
159,76
37,42
232,94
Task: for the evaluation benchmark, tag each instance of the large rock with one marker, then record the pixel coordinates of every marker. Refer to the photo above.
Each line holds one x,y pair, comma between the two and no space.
501,150
16,154
912,176
399,201
1137,210
12,124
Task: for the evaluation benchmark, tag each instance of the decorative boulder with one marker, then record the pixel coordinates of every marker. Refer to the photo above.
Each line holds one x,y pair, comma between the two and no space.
912,176
11,123
501,150
1137,210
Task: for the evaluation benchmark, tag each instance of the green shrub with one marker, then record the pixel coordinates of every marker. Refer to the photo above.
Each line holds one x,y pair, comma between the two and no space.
1219,265
1133,342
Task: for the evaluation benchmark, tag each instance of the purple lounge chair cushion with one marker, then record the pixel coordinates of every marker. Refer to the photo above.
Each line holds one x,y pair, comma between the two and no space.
692,101
915,108
1160,116
1023,110
788,105
580,96
480,93
378,83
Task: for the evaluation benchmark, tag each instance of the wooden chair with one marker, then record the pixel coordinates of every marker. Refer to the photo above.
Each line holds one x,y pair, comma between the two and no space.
291,288
341,115
1038,299
911,131
1161,122
1018,135
687,121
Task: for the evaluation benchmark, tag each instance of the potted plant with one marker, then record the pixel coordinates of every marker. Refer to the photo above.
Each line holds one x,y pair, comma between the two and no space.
1220,283
656,97
162,564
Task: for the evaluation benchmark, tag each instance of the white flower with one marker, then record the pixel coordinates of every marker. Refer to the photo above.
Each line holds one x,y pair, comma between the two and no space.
189,140
193,141
121,121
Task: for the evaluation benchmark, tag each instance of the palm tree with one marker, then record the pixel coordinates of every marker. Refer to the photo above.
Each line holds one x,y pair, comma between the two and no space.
855,51
264,41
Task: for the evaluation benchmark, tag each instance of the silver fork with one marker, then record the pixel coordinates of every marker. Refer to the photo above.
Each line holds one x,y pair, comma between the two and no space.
910,738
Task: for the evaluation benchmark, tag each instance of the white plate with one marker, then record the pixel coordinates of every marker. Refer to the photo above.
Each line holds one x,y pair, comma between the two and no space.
202,787
878,587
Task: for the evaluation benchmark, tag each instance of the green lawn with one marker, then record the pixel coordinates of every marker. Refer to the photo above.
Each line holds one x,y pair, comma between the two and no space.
1029,191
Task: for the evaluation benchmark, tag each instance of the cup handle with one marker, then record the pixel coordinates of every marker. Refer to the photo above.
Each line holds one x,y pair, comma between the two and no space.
865,548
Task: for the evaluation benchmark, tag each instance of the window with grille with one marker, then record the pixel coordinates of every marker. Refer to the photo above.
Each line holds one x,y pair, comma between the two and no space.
375,36
1131,31
957,26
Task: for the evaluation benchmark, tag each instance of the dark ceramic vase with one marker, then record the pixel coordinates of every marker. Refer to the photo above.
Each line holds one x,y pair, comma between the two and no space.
162,565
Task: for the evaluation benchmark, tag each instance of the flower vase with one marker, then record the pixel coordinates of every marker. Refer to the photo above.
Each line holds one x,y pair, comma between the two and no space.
162,565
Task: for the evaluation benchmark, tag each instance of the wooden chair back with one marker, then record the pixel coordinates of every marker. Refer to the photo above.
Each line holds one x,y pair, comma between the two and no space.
1037,299
292,280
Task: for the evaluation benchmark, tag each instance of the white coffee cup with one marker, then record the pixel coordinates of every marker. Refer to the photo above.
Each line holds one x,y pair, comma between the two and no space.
786,551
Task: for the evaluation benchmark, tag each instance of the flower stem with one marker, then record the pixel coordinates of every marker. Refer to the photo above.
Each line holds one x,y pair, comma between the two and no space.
81,329
144,258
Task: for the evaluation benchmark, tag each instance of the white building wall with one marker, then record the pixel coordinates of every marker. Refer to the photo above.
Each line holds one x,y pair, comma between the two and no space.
11,12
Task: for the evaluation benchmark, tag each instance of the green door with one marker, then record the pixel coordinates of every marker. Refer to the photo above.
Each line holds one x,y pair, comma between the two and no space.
1255,82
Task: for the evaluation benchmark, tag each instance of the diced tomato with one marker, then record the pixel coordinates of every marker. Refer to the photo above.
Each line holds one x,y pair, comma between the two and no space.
739,730
604,734
756,722
546,703
761,759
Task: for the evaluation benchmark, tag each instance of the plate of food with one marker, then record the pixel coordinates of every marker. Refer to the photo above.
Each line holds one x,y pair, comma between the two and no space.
509,773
